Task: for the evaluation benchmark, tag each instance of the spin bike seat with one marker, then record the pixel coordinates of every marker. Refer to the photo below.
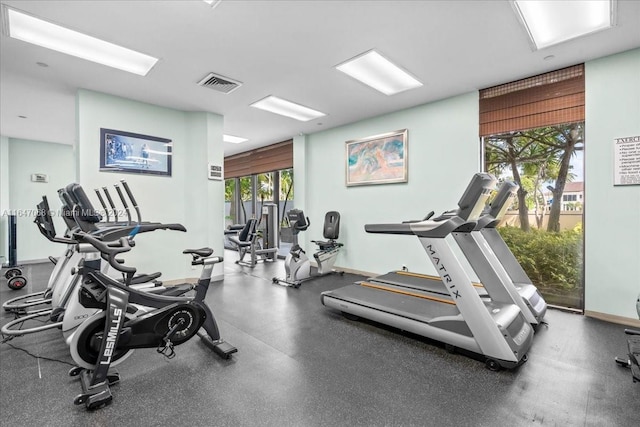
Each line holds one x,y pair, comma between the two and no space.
203,252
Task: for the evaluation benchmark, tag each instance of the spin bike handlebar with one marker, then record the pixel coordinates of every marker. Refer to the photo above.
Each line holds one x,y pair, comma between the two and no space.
109,250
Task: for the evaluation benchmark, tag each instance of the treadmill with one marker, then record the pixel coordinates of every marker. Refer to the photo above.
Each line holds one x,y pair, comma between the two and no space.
487,233
460,318
488,257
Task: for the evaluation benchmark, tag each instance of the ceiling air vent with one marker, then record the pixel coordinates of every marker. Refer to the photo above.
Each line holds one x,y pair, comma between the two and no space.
219,83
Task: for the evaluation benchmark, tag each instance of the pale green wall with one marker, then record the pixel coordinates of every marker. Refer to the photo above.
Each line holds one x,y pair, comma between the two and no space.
26,158
443,153
612,216
187,197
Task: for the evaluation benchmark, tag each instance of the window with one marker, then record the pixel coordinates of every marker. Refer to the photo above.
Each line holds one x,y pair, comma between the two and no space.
265,187
245,195
230,204
532,133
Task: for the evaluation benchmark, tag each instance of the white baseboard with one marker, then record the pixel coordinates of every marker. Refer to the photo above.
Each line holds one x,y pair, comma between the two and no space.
621,320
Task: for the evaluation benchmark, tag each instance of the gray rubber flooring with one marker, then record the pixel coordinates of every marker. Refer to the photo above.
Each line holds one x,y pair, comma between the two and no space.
301,364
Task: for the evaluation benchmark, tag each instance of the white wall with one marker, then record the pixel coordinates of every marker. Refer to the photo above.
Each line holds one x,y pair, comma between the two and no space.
612,215
443,153
187,197
24,159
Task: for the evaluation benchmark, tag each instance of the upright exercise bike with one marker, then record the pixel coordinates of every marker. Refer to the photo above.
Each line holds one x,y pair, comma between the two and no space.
297,265
130,319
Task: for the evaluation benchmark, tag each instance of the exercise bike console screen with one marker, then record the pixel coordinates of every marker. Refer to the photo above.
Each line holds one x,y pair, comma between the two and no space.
297,216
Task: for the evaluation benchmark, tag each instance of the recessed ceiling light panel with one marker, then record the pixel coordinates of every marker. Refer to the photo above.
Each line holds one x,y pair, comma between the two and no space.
286,108
552,22
51,36
233,139
376,71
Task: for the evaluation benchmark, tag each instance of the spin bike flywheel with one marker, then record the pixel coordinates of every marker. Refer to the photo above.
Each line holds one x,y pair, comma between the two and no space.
185,320
85,343
177,323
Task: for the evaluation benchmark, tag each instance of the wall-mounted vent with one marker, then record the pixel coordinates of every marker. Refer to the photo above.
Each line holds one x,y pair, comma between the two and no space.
219,83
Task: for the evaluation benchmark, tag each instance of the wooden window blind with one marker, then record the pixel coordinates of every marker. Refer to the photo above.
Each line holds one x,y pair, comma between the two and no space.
543,100
265,159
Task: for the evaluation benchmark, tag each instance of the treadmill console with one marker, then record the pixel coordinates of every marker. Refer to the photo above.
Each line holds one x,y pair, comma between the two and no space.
473,200
503,199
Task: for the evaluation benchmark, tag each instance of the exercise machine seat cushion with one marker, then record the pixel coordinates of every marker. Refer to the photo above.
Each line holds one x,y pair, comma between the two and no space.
331,225
245,237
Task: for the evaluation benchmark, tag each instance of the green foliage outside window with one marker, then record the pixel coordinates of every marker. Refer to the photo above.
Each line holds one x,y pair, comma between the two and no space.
553,261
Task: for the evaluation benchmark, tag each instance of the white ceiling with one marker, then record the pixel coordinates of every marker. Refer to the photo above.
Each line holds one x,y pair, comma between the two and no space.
284,48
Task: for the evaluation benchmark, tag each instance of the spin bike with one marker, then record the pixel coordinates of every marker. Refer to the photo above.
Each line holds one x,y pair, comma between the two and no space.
632,361
297,265
130,319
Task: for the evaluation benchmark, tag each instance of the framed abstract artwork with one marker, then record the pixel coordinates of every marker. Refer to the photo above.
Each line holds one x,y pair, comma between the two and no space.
378,159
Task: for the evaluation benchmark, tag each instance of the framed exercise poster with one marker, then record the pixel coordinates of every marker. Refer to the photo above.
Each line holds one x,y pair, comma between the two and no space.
626,168
378,159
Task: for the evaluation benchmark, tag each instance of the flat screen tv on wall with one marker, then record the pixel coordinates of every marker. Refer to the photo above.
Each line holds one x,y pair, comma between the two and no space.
129,152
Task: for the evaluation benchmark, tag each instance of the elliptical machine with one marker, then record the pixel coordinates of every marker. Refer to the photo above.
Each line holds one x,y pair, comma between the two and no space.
297,265
632,361
79,214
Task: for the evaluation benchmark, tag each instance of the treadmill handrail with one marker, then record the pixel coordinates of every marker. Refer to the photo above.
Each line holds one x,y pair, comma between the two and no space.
428,228
404,228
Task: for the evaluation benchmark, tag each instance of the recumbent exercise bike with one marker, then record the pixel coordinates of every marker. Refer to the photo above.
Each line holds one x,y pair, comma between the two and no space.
297,265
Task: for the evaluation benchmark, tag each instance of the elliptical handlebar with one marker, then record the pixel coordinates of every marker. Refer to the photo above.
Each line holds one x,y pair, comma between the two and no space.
110,200
104,206
124,203
125,185
53,238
